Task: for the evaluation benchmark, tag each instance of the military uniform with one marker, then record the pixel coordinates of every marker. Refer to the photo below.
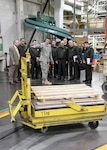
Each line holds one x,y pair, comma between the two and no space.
45,58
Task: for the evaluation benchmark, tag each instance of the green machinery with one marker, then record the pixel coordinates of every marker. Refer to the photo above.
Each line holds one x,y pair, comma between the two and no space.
46,24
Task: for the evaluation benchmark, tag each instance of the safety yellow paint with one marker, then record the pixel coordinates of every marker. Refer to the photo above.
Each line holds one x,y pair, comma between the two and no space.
36,119
104,147
23,95
27,54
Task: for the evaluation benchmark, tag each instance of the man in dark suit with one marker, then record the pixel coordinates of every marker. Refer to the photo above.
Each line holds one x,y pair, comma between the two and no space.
70,59
14,62
66,46
35,63
88,57
21,48
61,60
78,53
51,73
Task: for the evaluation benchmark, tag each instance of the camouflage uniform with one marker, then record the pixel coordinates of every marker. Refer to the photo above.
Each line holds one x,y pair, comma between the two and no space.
45,58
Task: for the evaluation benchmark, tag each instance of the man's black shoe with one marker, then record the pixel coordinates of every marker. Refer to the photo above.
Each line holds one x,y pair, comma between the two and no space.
59,78
71,78
88,82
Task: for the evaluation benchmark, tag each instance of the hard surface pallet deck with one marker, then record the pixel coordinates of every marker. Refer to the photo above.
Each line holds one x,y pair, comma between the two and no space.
63,94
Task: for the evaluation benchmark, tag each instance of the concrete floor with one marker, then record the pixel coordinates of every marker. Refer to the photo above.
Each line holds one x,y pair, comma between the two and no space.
15,136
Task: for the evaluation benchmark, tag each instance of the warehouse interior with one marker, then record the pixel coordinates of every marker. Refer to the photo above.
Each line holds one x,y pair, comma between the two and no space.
85,22
81,20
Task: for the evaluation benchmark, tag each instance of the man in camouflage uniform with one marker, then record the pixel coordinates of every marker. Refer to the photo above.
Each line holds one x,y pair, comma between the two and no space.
45,58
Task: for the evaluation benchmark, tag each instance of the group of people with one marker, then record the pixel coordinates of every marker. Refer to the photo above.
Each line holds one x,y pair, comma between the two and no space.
64,58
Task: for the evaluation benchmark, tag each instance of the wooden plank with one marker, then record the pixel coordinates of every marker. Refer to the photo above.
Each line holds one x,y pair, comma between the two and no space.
52,93
57,98
61,90
68,96
68,102
65,93
81,96
59,86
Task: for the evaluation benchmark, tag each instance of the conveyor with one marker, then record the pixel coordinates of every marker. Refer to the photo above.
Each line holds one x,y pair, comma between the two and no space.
43,106
45,26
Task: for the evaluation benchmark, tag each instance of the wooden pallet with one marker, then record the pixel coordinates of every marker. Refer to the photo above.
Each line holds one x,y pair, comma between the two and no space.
63,94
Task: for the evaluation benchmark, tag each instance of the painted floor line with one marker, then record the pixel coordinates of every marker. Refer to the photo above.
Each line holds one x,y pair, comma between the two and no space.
5,109
104,147
5,112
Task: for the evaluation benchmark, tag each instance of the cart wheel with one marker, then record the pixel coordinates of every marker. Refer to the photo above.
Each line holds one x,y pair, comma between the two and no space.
104,87
44,129
93,125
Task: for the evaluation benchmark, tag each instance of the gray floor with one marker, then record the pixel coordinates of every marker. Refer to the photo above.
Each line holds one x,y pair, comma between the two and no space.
66,137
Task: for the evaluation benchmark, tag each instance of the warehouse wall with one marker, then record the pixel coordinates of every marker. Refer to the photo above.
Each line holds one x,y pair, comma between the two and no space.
32,8
8,23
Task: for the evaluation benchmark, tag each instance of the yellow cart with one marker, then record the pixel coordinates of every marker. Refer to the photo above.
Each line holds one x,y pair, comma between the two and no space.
44,106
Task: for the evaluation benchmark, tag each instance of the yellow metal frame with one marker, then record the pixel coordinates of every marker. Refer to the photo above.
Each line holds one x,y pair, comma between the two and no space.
36,119
60,116
24,94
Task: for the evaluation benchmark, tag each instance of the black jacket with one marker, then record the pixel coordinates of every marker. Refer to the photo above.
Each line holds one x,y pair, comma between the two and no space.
88,53
74,51
54,48
22,51
61,53
34,52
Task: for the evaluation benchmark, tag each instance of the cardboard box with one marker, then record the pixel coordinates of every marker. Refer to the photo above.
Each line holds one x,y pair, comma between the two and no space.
98,67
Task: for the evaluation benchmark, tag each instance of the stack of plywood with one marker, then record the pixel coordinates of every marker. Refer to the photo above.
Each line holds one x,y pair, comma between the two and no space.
64,94
96,23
